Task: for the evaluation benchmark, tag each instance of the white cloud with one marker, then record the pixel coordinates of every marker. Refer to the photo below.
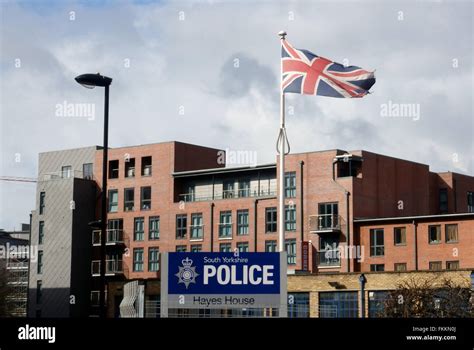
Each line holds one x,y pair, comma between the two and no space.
185,63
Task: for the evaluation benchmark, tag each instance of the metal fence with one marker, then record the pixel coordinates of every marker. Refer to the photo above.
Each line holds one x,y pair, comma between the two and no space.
152,310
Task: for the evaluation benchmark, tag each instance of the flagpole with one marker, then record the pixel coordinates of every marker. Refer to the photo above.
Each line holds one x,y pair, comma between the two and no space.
281,150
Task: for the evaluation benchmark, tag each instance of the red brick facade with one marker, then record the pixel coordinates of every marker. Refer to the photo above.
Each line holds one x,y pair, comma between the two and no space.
362,184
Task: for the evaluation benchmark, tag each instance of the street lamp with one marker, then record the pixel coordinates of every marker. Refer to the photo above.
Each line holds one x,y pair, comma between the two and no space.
90,81
362,281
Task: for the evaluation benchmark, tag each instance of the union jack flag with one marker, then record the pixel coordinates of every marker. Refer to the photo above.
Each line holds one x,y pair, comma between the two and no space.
306,73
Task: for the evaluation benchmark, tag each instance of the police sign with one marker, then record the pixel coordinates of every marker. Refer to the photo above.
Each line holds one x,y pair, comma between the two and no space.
222,280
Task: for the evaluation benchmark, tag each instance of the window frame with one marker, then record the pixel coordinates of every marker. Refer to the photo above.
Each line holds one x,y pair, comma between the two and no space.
438,241
155,261
138,235
154,234
290,184
374,244
138,262
110,202
242,226
271,226
225,226
404,241
456,240
143,200
181,226
197,228
125,201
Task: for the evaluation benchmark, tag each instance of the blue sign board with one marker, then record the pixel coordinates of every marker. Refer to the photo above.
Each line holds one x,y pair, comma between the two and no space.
217,280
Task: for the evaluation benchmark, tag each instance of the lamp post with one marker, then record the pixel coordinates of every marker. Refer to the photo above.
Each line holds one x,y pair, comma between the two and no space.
90,81
362,281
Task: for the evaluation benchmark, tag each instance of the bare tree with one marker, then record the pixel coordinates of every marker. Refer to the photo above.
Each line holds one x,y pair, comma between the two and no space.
429,297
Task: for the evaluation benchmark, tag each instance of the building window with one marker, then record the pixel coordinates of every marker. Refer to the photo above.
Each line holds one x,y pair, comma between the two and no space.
113,201
138,259
298,305
435,265
154,227
225,224
400,267
443,200
270,246
39,269
129,199
225,247
290,218
400,235
88,171
41,232
377,242
181,248
290,184
451,233
338,304
146,166
130,167
153,259
196,248
328,216
290,245
243,247
139,229
377,267
452,265
196,226
113,169
66,172
242,222
434,234
145,200
271,220
39,291
42,204
228,189
244,188
377,301
470,202
181,226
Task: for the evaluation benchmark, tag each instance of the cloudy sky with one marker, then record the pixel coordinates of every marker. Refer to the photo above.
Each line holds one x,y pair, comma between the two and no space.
206,72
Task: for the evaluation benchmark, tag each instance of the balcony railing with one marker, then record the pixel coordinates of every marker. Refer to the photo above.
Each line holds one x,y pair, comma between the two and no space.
66,174
329,258
325,223
114,236
227,194
112,267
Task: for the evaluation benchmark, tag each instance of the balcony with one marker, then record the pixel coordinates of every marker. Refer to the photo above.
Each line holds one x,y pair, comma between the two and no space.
112,267
114,237
63,175
325,223
228,194
329,258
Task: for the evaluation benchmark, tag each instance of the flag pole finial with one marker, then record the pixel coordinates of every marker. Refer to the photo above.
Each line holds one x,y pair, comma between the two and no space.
282,34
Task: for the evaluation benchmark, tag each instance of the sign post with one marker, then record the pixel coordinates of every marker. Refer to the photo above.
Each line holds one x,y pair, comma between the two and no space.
223,281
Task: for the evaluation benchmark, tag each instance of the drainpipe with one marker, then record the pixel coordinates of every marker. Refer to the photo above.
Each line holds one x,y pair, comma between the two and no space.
348,232
301,202
415,229
255,205
362,281
212,227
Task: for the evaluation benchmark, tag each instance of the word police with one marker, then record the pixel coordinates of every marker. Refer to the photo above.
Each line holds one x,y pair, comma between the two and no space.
225,274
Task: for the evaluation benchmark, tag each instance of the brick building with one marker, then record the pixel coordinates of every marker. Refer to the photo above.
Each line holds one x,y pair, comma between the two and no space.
381,213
